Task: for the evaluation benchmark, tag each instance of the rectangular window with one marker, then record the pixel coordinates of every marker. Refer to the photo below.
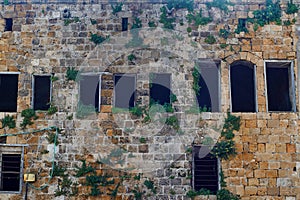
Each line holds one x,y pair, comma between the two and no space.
205,169
280,86
11,166
209,84
41,92
3,140
160,85
89,91
8,92
124,90
8,24
124,24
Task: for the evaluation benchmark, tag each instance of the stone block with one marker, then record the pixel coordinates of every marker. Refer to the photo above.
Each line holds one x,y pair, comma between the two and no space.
290,148
258,173
250,190
273,123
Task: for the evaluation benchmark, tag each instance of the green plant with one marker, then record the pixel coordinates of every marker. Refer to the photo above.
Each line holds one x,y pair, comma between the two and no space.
196,78
241,26
137,194
131,57
93,21
95,191
84,169
198,19
203,191
255,27
63,187
52,110
232,123
223,46
143,140
287,23
137,177
98,39
137,23
52,138
69,21
84,110
152,24
6,2
221,4
71,74
168,107
70,117
54,78
172,192
189,150
58,170
224,149
291,8
171,177
117,8
210,39
225,194
180,4
150,185
222,179
173,121
189,29
224,33
8,121
28,115
165,20
136,110
173,98
272,13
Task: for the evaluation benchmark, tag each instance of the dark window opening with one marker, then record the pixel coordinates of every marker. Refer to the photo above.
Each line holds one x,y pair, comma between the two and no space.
10,172
89,90
205,169
8,92
208,96
3,140
42,92
160,85
279,86
124,85
124,24
242,80
8,24
242,23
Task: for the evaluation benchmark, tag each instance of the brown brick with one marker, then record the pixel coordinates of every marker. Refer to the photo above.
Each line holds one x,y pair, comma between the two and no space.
253,182
290,148
270,148
274,191
273,123
262,190
106,108
250,190
261,148
258,173
271,173
250,123
263,165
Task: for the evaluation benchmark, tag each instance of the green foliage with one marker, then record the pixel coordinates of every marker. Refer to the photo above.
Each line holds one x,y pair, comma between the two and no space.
63,187
93,179
117,8
136,110
143,140
203,191
150,185
221,4
173,98
287,23
52,138
52,110
198,19
232,123
69,21
137,177
58,171
71,74
173,121
6,2
189,150
196,78
137,23
291,8
28,115
224,149
224,33
70,117
225,194
165,20
131,57
172,192
272,13
222,179
168,107
95,191
255,27
152,24
93,21
180,4
54,78
210,39
189,29
137,194
84,110
223,46
8,121
241,28
98,39
84,169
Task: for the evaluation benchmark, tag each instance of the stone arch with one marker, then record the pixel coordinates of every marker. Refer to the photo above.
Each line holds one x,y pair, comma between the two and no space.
247,56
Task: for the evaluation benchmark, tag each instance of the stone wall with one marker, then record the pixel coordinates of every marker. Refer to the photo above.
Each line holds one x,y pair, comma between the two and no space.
48,37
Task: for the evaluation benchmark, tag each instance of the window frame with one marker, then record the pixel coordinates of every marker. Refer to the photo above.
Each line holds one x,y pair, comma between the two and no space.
255,87
17,73
217,63
13,149
135,89
33,89
99,78
193,168
291,83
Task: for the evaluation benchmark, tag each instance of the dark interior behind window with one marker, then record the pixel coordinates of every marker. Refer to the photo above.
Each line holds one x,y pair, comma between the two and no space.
42,92
242,80
124,90
89,90
160,88
10,172
8,92
8,24
124,24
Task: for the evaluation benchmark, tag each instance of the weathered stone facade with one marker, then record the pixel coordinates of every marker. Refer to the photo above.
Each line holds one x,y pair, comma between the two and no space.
47,38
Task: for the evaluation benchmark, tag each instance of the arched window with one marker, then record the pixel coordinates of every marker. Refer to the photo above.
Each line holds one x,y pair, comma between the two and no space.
242,82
